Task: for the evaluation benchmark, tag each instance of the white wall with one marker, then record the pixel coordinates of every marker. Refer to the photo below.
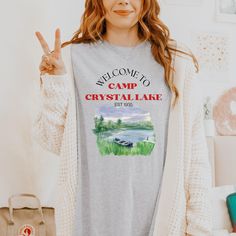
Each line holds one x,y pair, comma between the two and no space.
186,22
24,166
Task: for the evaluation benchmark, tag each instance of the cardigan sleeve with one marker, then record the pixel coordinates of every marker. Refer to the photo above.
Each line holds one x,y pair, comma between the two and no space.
199,210
48,127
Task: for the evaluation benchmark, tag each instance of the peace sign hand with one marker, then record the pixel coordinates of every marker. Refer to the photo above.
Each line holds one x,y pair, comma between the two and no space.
52,62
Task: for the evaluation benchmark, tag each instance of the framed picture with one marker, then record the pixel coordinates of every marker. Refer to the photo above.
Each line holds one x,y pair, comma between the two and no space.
184,2
226,11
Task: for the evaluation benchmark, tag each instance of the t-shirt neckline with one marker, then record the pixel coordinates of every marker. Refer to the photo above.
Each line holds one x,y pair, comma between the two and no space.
105,42
126,52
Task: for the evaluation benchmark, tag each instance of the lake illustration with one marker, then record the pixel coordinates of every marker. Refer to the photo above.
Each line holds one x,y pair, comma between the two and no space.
123,131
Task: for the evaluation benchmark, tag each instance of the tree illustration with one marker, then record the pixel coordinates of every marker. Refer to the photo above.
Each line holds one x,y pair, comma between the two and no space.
119,121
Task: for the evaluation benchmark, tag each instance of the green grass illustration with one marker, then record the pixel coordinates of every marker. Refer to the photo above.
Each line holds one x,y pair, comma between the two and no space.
141,148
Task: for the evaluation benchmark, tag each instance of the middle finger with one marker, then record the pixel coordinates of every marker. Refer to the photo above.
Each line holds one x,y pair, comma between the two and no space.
57,42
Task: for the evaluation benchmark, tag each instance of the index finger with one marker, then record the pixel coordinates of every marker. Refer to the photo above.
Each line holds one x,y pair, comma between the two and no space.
43,43
57,42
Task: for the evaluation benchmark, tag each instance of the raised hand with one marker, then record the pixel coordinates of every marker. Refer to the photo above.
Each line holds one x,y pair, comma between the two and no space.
52,62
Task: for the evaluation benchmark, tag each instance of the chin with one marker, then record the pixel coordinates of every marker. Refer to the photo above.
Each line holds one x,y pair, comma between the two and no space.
123,24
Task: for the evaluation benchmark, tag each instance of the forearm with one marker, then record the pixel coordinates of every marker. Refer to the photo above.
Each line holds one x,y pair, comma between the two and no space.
48,127
199,212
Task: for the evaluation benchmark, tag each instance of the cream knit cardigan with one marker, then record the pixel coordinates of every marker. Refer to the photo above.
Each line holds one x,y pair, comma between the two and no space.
184,206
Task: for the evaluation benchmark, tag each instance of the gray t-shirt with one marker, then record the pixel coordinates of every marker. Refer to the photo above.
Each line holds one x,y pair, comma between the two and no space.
123,112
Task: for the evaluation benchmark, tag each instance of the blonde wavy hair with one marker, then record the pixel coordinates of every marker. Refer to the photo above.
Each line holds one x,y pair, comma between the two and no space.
150,27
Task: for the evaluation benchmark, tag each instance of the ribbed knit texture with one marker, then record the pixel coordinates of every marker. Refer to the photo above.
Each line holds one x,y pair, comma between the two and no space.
55,130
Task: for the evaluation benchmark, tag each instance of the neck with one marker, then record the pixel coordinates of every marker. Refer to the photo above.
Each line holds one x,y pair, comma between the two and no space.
121,36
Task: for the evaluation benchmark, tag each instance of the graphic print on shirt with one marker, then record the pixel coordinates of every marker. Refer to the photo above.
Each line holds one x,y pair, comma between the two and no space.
124,131
121,126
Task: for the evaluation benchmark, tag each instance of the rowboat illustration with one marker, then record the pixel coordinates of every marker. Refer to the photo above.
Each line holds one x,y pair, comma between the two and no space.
123,142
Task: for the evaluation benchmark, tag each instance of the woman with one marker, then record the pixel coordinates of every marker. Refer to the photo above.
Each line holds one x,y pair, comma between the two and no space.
124,80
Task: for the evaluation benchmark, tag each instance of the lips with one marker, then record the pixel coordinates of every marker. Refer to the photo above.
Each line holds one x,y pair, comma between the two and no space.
123,12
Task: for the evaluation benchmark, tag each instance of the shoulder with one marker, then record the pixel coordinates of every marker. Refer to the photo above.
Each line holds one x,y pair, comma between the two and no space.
182,50
184,60
186,71
75,50
84,46
79,47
